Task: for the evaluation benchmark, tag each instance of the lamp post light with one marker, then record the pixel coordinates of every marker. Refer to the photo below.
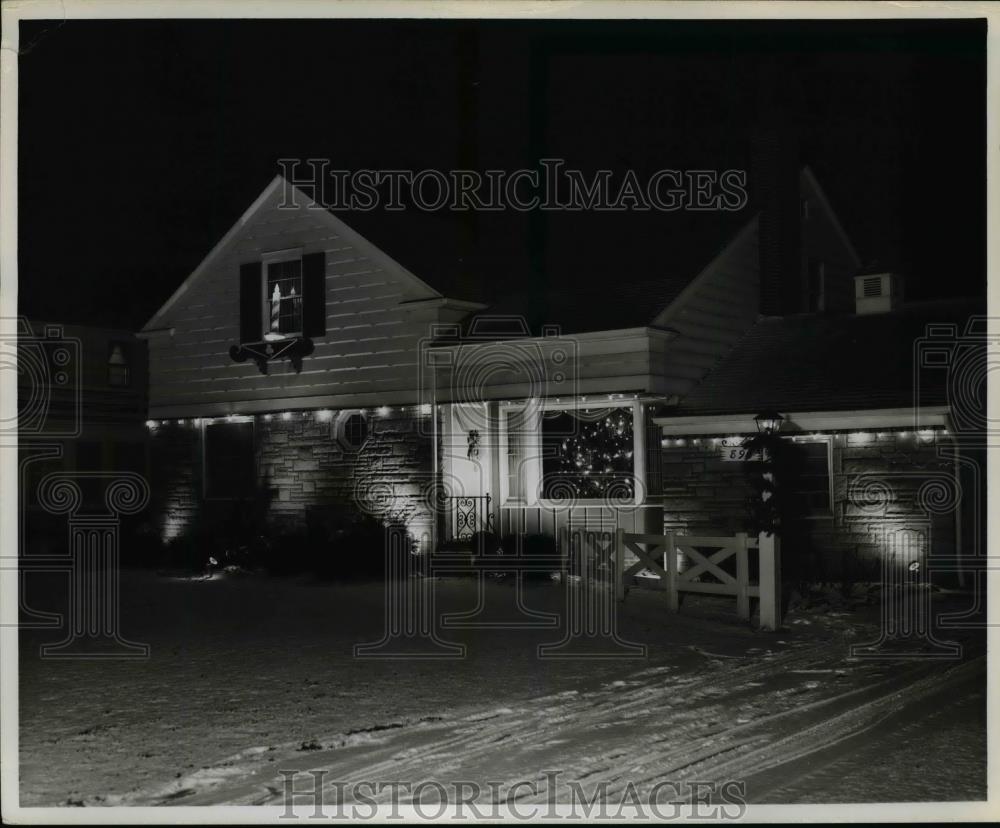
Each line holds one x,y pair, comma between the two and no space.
768,422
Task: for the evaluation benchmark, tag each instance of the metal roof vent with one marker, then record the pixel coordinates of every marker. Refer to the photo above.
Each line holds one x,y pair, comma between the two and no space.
877,292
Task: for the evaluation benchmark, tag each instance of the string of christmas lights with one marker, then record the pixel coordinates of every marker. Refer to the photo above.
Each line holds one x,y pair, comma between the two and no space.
736,439
382,411
322,414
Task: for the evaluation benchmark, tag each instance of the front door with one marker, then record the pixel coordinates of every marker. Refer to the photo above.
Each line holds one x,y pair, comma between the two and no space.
467,470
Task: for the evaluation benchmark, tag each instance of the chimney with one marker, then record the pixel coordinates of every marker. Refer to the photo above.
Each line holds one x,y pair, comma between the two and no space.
776,197
877,293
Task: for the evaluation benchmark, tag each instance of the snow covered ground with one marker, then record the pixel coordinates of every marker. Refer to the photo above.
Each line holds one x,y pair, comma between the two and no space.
249,675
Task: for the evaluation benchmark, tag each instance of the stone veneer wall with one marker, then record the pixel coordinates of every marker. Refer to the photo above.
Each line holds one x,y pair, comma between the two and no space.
883,486
302,468
175,478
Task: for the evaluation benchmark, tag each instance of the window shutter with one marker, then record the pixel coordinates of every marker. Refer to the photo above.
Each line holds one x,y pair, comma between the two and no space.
314,294
251,302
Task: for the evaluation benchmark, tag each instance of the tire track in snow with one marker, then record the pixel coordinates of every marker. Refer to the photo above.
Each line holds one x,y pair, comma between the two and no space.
689,715
472,736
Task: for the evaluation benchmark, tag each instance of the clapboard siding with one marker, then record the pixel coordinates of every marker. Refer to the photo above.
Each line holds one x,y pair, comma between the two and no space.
723,302
712,314
371,341
602,363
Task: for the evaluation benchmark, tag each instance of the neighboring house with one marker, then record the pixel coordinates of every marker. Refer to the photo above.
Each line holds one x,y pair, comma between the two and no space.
81,407
886,408
301,365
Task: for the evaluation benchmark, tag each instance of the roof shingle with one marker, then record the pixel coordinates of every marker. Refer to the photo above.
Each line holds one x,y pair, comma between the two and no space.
834,362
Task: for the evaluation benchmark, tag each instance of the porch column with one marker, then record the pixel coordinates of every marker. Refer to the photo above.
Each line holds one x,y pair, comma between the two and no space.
648,464
493,448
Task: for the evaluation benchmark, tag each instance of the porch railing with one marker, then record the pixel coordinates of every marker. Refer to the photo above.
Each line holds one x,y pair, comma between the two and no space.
470,514
557,521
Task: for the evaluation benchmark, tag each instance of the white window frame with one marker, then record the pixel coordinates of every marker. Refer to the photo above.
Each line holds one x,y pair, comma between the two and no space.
278,257
533,462
828,439
340,429
125,364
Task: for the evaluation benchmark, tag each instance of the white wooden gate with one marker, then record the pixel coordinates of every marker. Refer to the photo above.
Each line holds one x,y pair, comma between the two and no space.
661,556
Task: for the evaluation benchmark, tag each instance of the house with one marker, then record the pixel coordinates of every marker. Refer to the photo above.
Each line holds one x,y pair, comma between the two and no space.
81,409
301,365
885,409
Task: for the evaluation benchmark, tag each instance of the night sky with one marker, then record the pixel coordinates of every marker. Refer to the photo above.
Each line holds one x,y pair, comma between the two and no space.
142,142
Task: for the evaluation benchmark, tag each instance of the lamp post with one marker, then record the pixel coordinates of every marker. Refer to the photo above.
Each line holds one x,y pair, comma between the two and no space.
762,450
768,522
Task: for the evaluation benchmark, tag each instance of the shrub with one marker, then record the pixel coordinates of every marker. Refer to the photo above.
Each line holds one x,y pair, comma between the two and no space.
226,533
856,568
486,544
511,544
357,550
335,544
286,553
540,546
533,545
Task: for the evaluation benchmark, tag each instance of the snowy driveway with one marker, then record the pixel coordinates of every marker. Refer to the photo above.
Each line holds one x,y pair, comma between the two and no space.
252,676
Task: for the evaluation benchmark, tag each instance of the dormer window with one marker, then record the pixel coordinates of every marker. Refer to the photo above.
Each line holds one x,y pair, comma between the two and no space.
282,307
283,299
118,368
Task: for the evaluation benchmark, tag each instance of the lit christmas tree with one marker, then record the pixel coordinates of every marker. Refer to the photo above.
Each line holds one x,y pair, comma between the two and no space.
594,456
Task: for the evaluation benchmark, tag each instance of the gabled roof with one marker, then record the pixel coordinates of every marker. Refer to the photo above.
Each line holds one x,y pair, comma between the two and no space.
335,223
594,291
811,187
815,362
692,242
587,309
615,300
